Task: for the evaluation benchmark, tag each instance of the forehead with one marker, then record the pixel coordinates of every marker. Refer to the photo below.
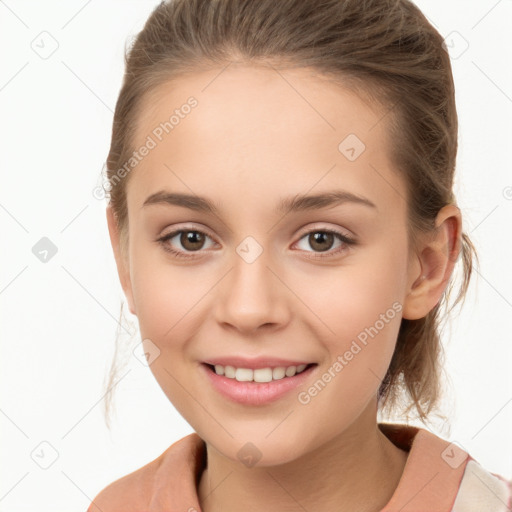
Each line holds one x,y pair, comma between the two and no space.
252,129
256,95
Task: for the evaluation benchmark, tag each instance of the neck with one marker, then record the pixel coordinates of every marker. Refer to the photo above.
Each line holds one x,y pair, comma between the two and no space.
358,470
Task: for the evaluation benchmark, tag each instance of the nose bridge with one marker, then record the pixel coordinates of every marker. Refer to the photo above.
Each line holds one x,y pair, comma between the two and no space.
252,295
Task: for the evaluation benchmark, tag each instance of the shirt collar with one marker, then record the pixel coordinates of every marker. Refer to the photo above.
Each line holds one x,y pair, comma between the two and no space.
429,482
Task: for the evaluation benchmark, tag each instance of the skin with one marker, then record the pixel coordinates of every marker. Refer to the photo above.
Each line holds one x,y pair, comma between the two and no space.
256,137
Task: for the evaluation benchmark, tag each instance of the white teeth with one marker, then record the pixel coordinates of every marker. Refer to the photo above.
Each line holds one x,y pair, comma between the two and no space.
290,371
243,374
260,374
278,373
229,371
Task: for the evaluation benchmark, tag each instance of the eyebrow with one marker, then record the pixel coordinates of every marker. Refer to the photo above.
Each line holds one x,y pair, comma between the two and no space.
297,203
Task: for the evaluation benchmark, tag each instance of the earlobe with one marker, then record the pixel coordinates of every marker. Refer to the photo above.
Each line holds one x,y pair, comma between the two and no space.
121,260
436,257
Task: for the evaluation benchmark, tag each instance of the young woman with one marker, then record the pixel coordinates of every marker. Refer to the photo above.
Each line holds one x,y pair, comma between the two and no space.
284,227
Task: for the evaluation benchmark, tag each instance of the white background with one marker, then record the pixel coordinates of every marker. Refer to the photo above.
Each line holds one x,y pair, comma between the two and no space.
59,318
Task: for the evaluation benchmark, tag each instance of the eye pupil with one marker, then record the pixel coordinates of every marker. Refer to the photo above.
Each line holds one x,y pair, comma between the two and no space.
316,240
192,237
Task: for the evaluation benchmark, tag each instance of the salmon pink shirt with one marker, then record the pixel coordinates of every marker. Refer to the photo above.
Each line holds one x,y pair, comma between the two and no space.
438,476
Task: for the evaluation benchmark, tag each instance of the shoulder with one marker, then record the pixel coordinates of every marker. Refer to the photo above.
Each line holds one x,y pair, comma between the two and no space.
136,491
482,491
127,494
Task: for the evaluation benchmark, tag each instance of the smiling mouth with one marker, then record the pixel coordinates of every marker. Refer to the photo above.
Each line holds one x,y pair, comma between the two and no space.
257,386
259,375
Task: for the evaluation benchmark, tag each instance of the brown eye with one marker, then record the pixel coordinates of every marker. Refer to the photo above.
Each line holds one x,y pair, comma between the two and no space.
192,240
321,240
327,241
184,242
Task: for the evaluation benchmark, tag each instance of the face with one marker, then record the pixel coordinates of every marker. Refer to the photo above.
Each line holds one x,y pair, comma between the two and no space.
258,276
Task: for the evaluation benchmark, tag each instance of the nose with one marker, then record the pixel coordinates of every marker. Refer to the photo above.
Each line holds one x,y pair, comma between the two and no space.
253,296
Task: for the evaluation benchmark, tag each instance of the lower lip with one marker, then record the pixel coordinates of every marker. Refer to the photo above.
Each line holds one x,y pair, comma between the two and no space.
256,393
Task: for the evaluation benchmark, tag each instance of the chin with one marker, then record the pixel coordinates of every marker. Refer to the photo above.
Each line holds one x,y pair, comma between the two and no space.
258,451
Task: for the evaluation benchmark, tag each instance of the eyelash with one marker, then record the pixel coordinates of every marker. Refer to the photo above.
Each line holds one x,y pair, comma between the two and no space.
180,254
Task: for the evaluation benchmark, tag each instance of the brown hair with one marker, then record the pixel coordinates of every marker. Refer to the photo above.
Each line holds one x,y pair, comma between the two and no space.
385,50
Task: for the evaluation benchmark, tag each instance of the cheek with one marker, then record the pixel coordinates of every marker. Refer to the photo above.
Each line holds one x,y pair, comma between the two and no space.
171,301
366,327
166,295
360,308
168,303
355,296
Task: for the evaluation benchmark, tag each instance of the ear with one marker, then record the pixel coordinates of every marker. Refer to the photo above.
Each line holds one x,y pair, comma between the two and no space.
122,263
433,264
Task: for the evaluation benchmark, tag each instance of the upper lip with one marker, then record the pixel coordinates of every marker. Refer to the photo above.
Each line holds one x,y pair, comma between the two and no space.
255,363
